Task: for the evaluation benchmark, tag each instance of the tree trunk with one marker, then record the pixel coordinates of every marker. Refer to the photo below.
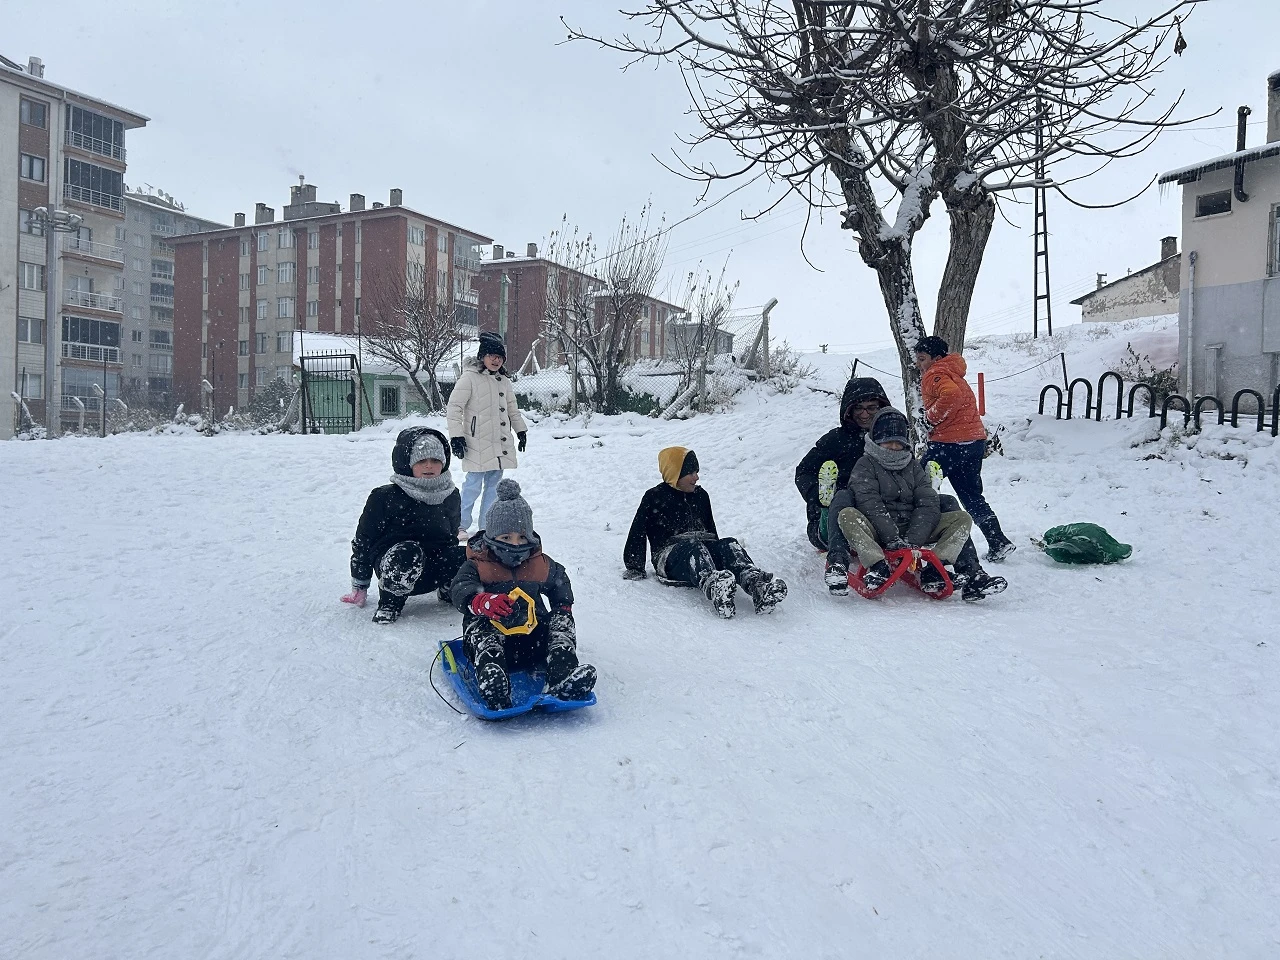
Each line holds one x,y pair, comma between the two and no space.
413,378
972,215
898,289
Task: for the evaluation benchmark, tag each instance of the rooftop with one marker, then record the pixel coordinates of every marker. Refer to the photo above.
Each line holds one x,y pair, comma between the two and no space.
1128,276
1197,170
367,214
13,73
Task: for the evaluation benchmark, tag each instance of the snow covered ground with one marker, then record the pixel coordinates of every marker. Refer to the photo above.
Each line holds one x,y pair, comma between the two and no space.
205,755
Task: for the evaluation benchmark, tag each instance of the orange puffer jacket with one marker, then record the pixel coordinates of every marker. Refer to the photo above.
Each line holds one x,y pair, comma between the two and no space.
949,402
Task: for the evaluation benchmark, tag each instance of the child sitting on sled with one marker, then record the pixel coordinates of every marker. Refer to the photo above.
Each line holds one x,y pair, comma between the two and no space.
408,528
895,507
675,518
506,576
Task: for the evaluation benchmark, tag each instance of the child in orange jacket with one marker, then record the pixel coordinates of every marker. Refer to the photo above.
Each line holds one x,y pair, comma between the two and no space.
957,438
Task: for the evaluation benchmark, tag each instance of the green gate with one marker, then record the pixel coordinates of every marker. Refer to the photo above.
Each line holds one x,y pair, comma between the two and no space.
328,392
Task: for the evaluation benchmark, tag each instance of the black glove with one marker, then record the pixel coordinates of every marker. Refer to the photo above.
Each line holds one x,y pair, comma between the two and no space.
459,446
523,438
633,575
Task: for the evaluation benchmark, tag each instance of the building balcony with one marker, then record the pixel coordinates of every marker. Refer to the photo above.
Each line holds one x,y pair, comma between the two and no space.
91,352
91,301
88,248
164,229
91,404
469,297
466,263
158,275
90,144
96,198
160,301
167,347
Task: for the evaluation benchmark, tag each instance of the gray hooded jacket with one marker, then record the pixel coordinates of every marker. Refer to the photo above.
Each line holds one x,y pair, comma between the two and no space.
899,503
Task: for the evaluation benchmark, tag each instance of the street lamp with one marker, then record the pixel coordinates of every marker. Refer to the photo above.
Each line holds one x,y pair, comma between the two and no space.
52,222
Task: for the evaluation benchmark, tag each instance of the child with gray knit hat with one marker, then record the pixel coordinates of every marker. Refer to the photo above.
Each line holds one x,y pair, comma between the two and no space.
517,607
895,506
407,530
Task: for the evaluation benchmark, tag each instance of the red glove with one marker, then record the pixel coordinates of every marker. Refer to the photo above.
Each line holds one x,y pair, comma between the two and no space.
490,605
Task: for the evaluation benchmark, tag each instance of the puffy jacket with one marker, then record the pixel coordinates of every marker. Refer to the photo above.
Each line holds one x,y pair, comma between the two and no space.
539,576
842,445
899,503
391,515
483,409
664,516
949,403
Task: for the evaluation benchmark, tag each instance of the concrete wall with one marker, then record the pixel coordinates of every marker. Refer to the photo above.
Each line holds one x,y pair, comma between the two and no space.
1229,338
9,98
1152,292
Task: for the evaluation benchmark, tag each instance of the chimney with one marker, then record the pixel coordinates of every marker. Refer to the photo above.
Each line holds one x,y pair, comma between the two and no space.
239,219
497,251
295,194
35,67
510,254
397,197
1273,107
264,214
1168,247
357,202
531,251
308,193
377,205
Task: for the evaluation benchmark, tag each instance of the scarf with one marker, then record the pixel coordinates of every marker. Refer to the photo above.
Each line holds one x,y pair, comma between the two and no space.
894,460
432,490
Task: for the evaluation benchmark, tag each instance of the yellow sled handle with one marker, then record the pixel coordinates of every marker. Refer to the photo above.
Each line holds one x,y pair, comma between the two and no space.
450,663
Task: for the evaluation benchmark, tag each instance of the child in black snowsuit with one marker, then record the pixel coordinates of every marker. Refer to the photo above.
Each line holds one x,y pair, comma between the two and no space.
505,556
407,533
675,519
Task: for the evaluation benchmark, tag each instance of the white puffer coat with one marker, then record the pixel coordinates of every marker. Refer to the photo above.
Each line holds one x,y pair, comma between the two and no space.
483,409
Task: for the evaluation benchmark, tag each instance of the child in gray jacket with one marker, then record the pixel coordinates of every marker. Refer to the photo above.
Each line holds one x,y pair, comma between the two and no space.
896,507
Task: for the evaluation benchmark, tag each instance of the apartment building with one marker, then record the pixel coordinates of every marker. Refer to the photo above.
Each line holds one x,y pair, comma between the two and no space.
241,292
513,297
153,220
66,150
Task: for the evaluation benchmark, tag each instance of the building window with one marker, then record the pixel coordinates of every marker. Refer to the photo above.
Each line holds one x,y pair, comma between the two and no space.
242,381
161,340
139,240
284,307
161,363
244,246
92,184
286,272
285,240
27,223
313,308
262,241
283,373
388,401
102,333
261,376
262,309
260,343
120,235
135,336
244,281
442,242
244,348
136,264
165,291
33,113
264,272
31,167
95,133
313,240
139,288
136,359
135,312
357,269
1275,241
313,274
284,342
357,306
1209,204
244,314
32,276
162,270
32,386
161,315
30,330
417,236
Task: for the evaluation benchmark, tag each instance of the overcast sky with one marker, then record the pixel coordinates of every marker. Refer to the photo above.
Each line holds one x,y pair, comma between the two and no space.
486,119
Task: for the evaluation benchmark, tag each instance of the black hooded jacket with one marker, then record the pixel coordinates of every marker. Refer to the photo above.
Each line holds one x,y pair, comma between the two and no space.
391,516
843,444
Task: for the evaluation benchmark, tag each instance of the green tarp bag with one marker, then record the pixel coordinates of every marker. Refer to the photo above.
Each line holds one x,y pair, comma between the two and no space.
1083,543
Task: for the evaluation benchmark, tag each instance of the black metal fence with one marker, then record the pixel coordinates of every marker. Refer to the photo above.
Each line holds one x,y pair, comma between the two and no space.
1192,411
329,385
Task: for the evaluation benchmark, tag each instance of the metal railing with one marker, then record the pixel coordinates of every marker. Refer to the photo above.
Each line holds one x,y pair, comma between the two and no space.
102,148
90,351
160,301
470,297
466,263
158,275
160,346
91,404
165,229
97,198
93,301
88,248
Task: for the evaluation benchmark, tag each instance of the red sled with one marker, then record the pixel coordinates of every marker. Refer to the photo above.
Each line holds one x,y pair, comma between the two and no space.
905,566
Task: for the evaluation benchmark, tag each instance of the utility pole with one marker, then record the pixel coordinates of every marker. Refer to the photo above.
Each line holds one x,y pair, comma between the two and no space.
52,222
1041,260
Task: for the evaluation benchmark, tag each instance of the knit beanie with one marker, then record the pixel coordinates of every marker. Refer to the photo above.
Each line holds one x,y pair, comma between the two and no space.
426,447
934,346
510,513
890,424
491,343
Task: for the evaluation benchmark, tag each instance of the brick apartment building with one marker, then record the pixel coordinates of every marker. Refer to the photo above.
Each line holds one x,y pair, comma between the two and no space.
513,301
241,292
65,150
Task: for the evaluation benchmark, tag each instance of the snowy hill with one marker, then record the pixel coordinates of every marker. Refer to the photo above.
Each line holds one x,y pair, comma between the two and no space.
207,755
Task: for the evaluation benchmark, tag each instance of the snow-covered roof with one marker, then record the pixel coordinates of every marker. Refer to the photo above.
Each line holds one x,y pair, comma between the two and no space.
313,345
1127,277
131,118
1196,170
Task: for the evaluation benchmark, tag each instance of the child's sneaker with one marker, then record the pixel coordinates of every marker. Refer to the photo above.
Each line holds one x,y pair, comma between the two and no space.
463,536
577,685
981,585
999,551
719,587
494,685
828,476
877,575
932,581
836,578
933,469
389,608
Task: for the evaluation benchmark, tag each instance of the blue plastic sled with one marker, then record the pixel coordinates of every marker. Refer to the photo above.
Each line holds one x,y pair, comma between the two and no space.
526,688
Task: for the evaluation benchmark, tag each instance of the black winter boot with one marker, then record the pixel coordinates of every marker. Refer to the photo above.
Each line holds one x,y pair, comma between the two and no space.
981,585
389,607
932,581
836,576
766,590
719,586
580,682
562,648
494,685
998,545
877,575
443,594
484,648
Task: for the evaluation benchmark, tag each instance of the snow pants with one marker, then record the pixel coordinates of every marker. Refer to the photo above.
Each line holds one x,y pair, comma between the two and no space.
690,561
471,490
962,464
552,644
408,569
838,546
947,538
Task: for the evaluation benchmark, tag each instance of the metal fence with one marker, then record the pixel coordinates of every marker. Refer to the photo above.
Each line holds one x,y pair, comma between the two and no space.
329,388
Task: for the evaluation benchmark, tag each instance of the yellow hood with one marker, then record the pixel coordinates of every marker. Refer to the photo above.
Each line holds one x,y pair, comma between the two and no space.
670,460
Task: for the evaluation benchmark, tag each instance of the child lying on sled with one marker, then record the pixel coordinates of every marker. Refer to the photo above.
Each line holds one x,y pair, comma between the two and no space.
896,507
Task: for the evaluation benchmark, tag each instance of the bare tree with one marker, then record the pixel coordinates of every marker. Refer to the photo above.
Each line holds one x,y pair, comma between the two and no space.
706,299
407,322
877,108
595,301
